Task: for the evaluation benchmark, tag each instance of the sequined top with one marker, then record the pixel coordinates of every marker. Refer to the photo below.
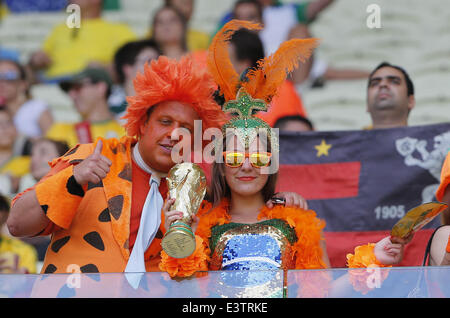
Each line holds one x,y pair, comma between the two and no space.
261,246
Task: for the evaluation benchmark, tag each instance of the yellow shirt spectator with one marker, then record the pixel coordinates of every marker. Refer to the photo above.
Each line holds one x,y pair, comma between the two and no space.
71,49
11,247
66,131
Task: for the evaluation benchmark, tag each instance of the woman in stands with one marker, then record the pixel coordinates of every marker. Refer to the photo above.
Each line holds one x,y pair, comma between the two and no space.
238,231
169,32
32,117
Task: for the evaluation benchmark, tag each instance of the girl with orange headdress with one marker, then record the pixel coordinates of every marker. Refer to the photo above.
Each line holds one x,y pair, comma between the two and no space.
237,231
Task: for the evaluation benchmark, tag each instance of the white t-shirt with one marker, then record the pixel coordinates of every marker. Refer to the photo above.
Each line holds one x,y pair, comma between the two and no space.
278,21
27,117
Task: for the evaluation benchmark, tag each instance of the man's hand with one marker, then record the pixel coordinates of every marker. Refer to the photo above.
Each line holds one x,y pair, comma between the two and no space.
172,216
292,199
388,253
92,169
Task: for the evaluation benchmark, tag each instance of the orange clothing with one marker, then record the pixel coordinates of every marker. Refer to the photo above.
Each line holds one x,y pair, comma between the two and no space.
286,103
91,226
445,178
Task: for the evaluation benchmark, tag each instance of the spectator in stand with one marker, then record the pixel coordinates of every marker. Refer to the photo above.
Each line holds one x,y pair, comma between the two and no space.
12,164
169,32
279,18
246,48
390,96
294,123
89,91
32,117
67,51
16,257
170,35
196,40
43,151
129,60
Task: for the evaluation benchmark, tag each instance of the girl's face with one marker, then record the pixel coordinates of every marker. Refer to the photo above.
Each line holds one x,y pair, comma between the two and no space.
41,153
168,27
245,180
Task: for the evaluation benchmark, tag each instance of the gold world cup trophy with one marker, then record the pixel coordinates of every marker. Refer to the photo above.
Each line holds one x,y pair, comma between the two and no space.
187,184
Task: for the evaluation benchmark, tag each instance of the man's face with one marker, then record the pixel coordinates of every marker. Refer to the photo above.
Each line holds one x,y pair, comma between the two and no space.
155,143
247,12
387,91
86,95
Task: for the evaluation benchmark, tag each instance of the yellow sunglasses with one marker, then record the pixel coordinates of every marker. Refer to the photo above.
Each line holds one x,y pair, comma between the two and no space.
236,159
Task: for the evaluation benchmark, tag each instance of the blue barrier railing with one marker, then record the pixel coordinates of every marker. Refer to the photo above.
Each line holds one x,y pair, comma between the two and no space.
395,282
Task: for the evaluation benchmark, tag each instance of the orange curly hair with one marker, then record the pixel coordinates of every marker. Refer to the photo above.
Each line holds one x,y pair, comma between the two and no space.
166,79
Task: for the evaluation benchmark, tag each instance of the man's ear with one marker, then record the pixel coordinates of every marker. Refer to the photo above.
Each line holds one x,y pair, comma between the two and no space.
143,127
411,102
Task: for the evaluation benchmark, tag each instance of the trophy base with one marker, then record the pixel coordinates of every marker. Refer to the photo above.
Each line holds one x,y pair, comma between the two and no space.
178,243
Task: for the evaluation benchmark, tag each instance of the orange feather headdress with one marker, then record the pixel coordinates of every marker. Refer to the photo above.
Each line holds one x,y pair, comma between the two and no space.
166,79
262,82
253,92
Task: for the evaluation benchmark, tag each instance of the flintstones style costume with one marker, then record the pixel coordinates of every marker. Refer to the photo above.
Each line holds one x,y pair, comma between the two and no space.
95,226
287,238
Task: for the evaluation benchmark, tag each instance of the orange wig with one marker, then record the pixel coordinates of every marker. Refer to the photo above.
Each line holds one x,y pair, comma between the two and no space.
170,80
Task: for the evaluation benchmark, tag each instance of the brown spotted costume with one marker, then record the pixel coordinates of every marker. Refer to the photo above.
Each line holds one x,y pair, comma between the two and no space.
90,226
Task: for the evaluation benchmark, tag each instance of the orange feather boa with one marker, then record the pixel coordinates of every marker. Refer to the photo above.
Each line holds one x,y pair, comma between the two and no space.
307,250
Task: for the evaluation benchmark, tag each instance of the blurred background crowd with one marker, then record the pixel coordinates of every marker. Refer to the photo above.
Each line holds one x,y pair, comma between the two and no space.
64,77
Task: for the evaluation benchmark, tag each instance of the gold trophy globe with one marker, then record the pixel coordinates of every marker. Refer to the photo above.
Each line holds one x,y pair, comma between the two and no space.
187,184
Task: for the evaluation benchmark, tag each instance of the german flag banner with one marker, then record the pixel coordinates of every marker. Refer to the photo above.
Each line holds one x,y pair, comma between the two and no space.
362,182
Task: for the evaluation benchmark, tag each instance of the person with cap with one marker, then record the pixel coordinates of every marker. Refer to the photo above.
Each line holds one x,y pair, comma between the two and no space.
89,91
70,47
102,201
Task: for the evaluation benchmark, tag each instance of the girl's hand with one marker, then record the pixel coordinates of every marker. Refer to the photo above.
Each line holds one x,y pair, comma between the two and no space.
170,216
388,253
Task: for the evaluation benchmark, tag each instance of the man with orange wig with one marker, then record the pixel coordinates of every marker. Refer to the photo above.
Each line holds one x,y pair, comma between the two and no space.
93,198
102,201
